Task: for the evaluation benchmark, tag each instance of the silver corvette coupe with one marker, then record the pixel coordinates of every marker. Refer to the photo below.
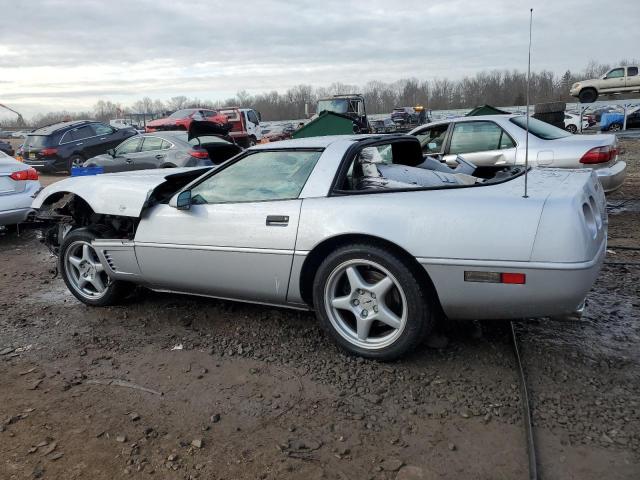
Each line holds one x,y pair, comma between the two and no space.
364,230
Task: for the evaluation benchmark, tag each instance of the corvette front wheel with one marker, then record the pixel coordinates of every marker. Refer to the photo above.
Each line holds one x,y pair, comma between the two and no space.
371,302
83,273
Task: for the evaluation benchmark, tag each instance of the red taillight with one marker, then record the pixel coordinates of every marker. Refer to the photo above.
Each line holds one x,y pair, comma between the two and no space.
202,154
45,152
599,155
515,278
30,174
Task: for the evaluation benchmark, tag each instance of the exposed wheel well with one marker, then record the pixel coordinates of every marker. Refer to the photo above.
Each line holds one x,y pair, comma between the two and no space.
320,252
68,209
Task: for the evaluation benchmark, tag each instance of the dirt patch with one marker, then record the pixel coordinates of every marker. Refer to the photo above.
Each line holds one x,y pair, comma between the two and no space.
185,387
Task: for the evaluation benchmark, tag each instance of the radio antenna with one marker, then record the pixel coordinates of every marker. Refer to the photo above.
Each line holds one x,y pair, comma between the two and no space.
526,148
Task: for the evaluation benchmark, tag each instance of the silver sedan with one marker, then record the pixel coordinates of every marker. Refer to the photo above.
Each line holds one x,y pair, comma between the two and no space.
361,229
500,140
18,186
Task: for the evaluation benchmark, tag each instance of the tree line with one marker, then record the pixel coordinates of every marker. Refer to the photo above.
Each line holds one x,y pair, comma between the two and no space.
497,87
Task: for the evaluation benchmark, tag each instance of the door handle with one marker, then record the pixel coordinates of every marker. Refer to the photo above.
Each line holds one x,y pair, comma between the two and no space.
128,160
103,138
159,157
78,144
277,220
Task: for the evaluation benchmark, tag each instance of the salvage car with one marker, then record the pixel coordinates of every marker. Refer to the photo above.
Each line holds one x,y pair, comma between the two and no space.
203,145
572,123
62,146
18,186
500,140
361,228
614,121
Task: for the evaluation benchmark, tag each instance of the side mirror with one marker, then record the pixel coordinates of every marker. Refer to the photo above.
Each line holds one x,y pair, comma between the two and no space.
111,152
183,201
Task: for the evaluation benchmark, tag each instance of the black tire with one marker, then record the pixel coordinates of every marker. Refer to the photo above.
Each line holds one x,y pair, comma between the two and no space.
588,95
252,141
414,296
615,127
571,128
167,165
115,290
549,107
75,161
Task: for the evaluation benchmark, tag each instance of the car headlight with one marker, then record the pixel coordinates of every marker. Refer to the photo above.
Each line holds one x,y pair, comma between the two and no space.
576,85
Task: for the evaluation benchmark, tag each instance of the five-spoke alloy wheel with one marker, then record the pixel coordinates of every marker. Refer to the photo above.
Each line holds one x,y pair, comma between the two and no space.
83,272
372,301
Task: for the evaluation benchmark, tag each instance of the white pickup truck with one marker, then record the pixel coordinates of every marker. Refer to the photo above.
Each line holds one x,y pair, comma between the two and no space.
616,80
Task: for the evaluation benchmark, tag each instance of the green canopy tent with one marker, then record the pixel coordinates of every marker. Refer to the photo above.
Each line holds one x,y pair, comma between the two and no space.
485,110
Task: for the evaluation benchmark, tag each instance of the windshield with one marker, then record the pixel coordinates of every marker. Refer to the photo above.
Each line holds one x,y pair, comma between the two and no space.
540,129
337,106
182,113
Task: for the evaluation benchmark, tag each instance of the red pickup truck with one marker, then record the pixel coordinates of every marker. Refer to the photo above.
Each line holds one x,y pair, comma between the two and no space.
243,122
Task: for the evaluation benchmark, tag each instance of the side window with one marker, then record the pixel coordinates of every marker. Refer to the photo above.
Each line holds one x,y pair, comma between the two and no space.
151,143
130,146
258,177
165,145
253,118
432,138
470,137
102,129
79,133
616,73
632,71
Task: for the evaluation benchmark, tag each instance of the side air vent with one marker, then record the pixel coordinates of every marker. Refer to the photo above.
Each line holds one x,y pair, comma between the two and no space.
109,259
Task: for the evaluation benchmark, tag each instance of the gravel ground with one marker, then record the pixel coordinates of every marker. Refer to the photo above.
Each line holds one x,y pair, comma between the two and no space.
181,387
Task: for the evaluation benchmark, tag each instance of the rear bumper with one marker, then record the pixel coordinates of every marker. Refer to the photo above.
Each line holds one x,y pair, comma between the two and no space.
551,289
47,166
13,217
612,177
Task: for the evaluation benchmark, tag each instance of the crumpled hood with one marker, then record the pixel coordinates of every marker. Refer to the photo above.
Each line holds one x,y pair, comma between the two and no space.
123,193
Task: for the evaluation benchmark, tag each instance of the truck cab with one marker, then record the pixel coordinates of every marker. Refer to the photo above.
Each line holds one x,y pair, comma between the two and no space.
616,80
350,105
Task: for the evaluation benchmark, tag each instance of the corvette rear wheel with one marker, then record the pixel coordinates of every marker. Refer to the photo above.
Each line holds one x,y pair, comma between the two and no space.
571,128
371,302
83,273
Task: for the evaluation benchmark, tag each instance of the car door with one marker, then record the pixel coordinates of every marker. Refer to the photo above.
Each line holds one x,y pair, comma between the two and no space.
124,155
80,139
614,80
480,142
633,79
433,139
151,153
238,236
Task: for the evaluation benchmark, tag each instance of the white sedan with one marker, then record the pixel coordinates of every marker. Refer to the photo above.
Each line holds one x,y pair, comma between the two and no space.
572,123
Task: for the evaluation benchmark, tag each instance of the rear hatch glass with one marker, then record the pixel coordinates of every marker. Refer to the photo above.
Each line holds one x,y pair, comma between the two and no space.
35,142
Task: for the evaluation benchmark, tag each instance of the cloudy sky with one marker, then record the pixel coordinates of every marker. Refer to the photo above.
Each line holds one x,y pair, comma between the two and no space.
67,54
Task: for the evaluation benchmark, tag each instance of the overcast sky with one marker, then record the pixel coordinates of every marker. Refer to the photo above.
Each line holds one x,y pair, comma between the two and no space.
67,54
